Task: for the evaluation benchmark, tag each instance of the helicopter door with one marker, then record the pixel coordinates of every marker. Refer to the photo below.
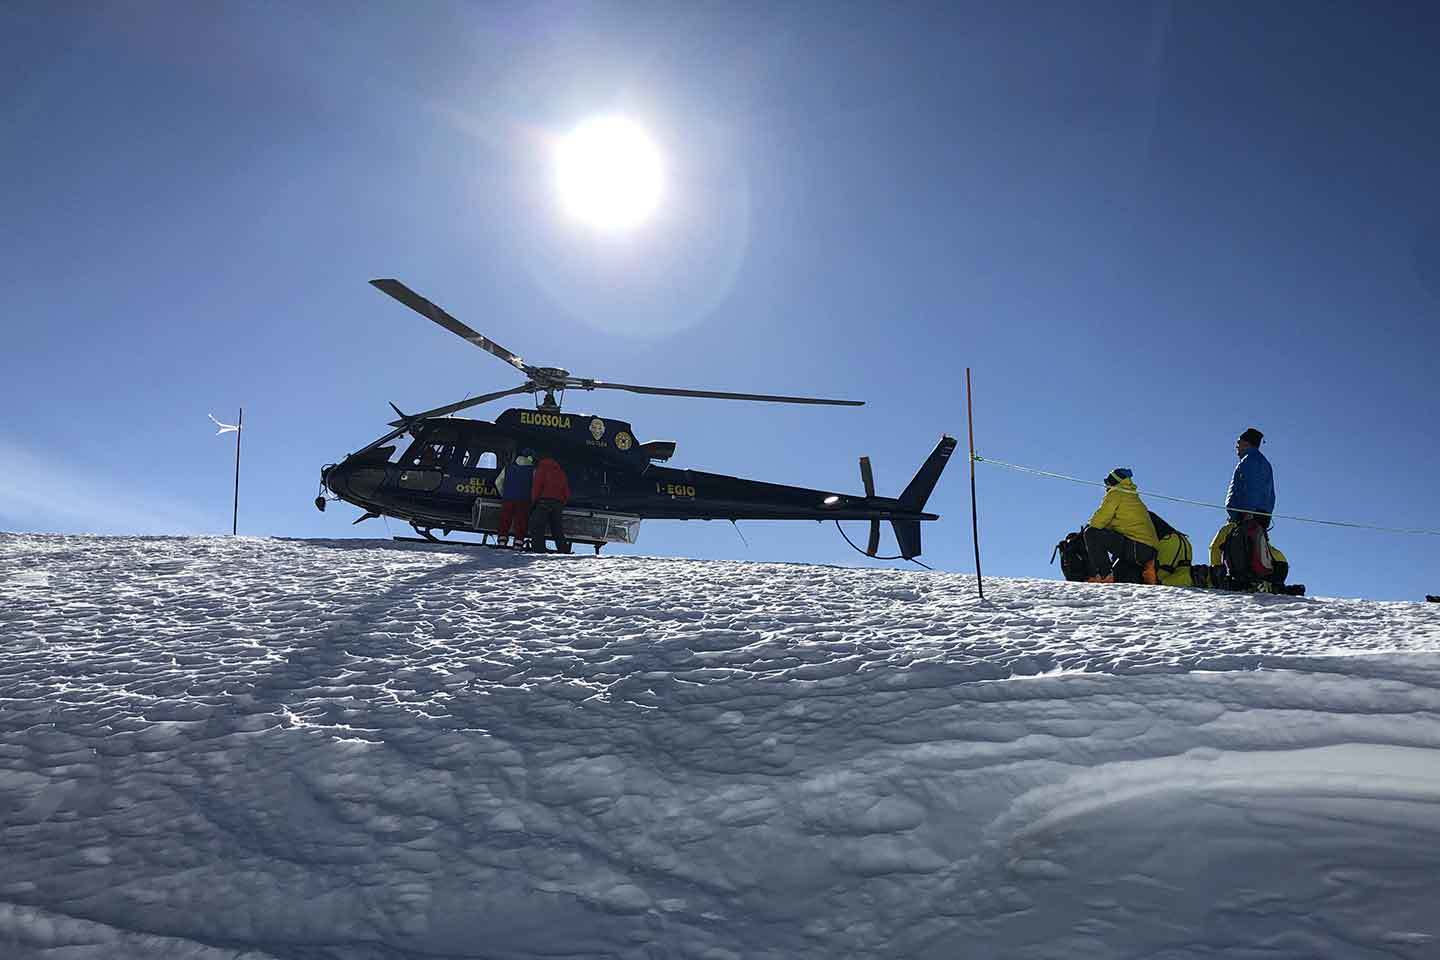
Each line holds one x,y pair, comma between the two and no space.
424,464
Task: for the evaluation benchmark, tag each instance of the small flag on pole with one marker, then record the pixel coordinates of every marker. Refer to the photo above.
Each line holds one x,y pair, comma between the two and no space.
236,429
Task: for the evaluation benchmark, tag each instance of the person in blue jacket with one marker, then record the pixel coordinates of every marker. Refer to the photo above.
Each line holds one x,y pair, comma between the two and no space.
514,485
1252,490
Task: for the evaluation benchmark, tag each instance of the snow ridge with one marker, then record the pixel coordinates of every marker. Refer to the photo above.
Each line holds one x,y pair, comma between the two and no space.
354,749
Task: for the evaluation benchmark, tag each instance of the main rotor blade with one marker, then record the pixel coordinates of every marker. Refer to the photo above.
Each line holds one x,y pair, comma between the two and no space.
450,408
711,394
425,308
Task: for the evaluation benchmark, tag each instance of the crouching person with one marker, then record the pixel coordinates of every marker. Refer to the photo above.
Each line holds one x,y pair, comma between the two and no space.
1173,564
1121,529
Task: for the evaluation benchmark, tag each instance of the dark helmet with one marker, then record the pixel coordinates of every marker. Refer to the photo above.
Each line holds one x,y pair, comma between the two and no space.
1118,474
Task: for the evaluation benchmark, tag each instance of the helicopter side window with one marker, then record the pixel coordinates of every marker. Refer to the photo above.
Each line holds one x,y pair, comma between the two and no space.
480,460
434,454
431,455
484,457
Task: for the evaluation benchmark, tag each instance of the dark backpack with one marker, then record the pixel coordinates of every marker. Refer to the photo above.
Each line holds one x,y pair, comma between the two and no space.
1074,558
1247,552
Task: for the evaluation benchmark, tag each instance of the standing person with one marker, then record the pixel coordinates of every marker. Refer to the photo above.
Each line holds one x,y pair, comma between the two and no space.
1121,527
550,491
513,483
1251,492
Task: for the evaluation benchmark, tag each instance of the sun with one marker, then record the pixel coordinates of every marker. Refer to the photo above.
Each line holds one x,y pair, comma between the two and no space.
609,173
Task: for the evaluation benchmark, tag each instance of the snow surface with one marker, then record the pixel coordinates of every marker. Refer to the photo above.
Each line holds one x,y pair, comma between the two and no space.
352,749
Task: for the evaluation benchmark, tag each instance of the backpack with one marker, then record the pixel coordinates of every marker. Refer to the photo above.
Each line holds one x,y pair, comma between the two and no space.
1162,529
1074,558
1262,565
1247,552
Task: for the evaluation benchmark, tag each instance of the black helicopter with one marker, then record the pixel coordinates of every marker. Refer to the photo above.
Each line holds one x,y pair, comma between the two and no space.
445,478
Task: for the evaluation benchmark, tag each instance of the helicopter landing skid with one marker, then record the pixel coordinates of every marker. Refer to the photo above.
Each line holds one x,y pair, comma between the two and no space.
426,536
448,543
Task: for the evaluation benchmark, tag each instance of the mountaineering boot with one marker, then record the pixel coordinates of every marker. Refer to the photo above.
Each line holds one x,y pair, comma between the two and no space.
1102,578
1148,574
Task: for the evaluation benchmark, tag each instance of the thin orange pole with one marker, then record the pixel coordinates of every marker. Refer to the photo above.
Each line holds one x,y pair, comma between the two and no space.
974,510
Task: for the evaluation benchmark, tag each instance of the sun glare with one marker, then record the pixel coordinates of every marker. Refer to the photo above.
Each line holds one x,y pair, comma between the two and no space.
609,173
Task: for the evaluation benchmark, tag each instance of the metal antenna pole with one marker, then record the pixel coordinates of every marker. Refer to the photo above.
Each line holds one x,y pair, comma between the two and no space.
974,511
239,429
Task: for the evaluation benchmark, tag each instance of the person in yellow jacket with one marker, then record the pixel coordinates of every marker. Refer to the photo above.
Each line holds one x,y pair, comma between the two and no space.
1121,528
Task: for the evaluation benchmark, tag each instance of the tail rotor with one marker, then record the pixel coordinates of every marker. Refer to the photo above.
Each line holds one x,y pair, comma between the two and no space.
867,477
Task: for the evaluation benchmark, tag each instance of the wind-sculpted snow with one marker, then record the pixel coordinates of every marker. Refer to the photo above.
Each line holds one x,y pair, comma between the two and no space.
347,749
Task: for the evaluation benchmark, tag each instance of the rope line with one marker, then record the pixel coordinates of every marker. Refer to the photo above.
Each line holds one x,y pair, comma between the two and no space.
1202,503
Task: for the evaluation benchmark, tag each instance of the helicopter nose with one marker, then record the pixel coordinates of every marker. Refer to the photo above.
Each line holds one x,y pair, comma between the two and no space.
352,479
325,472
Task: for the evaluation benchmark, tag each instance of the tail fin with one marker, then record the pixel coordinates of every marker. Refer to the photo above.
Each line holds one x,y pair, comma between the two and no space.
907,532
907,535
925,478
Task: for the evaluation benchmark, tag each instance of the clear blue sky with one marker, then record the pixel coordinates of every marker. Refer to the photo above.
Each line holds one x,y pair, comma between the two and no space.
1146,226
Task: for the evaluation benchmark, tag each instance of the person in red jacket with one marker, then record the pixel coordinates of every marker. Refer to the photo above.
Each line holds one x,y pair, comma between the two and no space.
549,491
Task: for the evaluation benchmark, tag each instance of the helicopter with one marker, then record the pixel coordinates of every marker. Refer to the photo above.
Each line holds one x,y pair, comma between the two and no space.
445,477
